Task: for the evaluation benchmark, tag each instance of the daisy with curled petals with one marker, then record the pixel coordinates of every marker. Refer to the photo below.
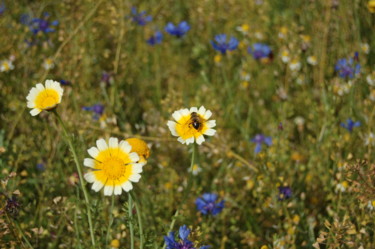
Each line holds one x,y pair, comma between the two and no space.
113,166
191,125
44,97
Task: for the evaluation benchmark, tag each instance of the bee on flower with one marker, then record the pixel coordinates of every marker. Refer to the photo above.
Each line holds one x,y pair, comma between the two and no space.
114,166
191,125
45,97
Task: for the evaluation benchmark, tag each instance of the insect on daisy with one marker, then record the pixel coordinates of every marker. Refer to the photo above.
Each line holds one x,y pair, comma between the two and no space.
191,125
44,97
113,166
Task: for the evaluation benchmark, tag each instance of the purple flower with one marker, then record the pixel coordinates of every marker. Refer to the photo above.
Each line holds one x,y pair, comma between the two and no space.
97,110
350,124
140,18
183,243
220,44
155,38
65,83
347,68
284,193
40,25
177,30
41,167
260,51
260,139
207,204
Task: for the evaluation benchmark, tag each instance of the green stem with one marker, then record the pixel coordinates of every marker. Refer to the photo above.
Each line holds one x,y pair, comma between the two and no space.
130,210
23,235
110,219
139,216
186,192
70,143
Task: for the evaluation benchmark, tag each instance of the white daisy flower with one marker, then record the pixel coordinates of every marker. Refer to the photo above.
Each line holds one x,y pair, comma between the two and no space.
312,60
191,125
44,97
6,65
48,64
295,65
113,166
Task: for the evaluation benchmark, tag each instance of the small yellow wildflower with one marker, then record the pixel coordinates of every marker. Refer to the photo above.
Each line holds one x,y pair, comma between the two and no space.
217,59
115,243
141,148
371,6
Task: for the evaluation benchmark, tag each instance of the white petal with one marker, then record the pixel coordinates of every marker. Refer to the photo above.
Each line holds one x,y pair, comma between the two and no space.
125,146
211,123
137,168
118,190
108,190
210,132
90,177
93,152
101,144
113,142
200,140
134,157
40,87
202,111
177,115
207,115
135,177
30,104
172,127
184,112
88,162
181,140
97,186
193,109
32,94
35,112
127,186
189,140
49,83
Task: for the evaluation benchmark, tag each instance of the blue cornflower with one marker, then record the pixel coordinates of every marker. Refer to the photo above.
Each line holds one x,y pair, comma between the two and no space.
177,30
350,124
284,193
259,139
347,68
140,18
155,38
41,167
207,204
37,25
260,51
183,243
220,44
65,83
97,110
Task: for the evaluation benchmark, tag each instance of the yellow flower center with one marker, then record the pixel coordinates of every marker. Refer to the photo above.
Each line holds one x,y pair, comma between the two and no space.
113,166
185,128
6,66
47,99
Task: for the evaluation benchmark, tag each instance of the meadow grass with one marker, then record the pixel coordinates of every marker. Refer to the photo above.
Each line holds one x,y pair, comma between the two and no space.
301,106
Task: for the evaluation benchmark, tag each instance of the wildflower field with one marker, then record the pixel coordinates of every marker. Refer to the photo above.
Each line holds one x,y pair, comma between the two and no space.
187,124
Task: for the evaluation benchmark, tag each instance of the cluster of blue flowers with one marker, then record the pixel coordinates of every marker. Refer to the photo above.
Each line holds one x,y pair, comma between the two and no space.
178,30
260,51
96,109
42,25
183,242
348,69
260,139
